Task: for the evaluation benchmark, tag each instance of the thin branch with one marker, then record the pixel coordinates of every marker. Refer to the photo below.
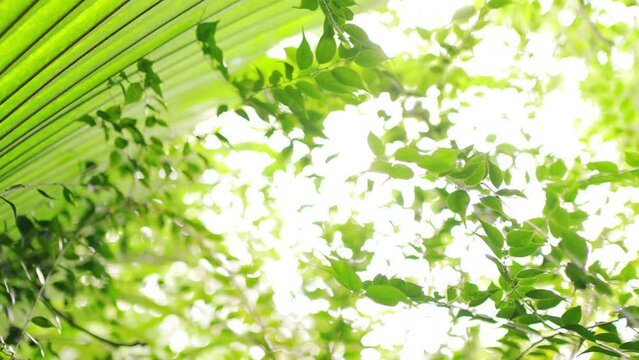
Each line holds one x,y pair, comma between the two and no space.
584,15
40,292
507,324
336,26
20,187
531,346
74,324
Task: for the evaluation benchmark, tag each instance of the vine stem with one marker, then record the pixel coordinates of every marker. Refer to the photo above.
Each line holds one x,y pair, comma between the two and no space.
592,25
40,292
74,324
318,70
336,26
531,346
507,324
20,187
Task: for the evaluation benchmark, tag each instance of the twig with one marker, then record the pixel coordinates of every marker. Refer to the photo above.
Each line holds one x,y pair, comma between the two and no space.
74,324
592,25
336,26
507,324
19,187
531,346
40,292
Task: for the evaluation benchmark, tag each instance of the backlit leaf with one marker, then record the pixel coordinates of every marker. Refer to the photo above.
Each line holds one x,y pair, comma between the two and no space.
345,275
458,202
304,55
385,294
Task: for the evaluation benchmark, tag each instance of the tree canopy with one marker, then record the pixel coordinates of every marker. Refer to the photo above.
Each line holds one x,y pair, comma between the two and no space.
329,179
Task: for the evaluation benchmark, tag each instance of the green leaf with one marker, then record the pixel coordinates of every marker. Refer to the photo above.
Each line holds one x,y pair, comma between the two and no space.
45,194
222,109
12,205
222,138
309,89
575,246
529,273
477,175
400,171
458,202
42,322
577,275
441,161
120,142
304,55
604,167
608,337
496,177
243,114
288,71
519,238
463,14
493,202
494,239
133,93
89,120
524,250
327,81
369,58
558,169
632,158
496,4
348,77
68,195
598,349
571,316
542,294
545,304
582,331
407,154
510,192
325,50
385,294
376,145
345,275
630,346
309,5
631,314
345,3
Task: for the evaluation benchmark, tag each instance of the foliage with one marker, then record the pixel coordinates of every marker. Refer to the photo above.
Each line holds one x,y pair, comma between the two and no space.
119,263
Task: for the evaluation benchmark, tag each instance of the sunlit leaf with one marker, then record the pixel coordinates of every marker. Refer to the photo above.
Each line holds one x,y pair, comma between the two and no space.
369,58
385,294
304,54
494,238
440,161
348,76
458,202
345,275
326,49
376,145
541,294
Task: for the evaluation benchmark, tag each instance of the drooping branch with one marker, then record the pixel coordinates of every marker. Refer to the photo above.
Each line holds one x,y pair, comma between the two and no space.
69,319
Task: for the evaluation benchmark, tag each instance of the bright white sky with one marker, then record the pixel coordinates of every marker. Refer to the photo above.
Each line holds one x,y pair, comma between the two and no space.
420,330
